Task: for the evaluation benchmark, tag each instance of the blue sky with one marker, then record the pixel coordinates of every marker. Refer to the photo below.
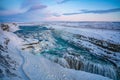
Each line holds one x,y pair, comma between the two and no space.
59,10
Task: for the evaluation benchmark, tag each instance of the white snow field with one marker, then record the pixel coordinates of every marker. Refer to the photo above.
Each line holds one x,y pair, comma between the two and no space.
29,66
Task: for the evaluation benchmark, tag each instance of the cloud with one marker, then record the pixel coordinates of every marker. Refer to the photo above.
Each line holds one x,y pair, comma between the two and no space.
33,5
36,7
95,11
61,1
56,14
37,15
72,13
26,6
11,12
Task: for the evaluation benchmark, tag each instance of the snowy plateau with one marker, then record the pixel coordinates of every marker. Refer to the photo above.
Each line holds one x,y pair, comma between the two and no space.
60,51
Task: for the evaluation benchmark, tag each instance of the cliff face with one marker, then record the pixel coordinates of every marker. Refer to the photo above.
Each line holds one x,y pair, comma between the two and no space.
8,63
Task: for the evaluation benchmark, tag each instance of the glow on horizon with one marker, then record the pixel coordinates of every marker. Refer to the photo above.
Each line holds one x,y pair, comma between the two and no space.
59,10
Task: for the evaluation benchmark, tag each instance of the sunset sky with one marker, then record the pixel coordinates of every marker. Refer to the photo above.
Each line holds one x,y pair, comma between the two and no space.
59,10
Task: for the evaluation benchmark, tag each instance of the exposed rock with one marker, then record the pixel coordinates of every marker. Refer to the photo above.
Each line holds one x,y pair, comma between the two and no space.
101,43
9,73
1,73
4,27
81,64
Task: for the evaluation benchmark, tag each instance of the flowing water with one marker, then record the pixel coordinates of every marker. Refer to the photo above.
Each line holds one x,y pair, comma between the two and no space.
81,59
76,57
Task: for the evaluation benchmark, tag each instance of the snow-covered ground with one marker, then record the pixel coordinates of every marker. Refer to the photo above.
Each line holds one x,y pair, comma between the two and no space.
34,67
101,34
